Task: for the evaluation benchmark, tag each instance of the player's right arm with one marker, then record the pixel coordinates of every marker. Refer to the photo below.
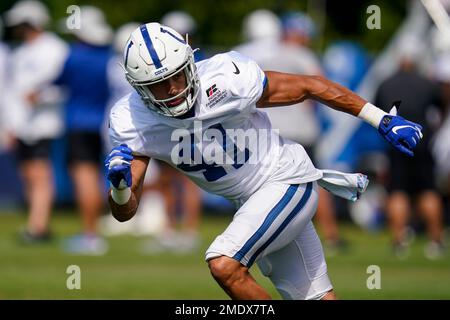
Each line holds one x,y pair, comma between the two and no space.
126,175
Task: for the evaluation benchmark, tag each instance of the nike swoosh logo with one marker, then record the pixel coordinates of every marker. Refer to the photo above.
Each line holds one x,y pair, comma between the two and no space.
237,69
395,129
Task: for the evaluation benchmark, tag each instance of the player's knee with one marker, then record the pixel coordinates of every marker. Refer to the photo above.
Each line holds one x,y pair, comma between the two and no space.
225,270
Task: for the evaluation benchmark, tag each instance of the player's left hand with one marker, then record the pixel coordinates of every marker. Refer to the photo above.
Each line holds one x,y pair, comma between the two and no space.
404,135
118,164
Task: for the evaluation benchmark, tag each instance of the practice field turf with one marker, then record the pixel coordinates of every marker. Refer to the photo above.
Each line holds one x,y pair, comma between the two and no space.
124,273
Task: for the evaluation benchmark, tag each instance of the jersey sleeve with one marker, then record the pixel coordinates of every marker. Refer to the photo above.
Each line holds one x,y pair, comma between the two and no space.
122,129
248,81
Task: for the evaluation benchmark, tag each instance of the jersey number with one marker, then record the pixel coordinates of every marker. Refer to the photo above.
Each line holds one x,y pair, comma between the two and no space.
213,172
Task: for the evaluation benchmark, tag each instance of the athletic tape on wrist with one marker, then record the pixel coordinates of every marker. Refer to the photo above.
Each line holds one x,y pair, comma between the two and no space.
121,196
371,114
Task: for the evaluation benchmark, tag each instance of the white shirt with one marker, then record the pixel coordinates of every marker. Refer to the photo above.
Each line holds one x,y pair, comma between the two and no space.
230,86
34,66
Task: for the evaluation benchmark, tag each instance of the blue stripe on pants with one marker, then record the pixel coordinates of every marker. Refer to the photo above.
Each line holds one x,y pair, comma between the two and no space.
270,218
283,225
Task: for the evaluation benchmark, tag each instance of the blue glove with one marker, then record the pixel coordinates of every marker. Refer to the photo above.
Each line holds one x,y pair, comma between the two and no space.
404,135
118,164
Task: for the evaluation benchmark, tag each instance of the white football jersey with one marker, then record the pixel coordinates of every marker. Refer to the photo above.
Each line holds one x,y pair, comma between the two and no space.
228,147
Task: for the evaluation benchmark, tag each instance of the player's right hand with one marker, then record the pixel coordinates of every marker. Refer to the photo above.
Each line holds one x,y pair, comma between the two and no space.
118,164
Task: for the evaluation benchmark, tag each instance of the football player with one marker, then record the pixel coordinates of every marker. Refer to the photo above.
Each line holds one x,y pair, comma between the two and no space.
187,113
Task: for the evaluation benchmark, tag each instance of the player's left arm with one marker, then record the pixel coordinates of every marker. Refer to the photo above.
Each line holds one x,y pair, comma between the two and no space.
286,89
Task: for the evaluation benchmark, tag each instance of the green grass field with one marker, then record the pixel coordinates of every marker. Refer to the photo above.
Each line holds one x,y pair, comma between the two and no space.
124,273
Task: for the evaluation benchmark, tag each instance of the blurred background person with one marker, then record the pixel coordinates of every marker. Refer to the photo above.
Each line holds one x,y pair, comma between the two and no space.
84,78
185,24
441,141
350,144
298,33
284,45
261,31
8,192
4,54
33,112
411,183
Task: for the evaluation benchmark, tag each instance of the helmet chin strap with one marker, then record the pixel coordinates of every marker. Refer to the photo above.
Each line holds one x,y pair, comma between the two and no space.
180,109
185,105
177,110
